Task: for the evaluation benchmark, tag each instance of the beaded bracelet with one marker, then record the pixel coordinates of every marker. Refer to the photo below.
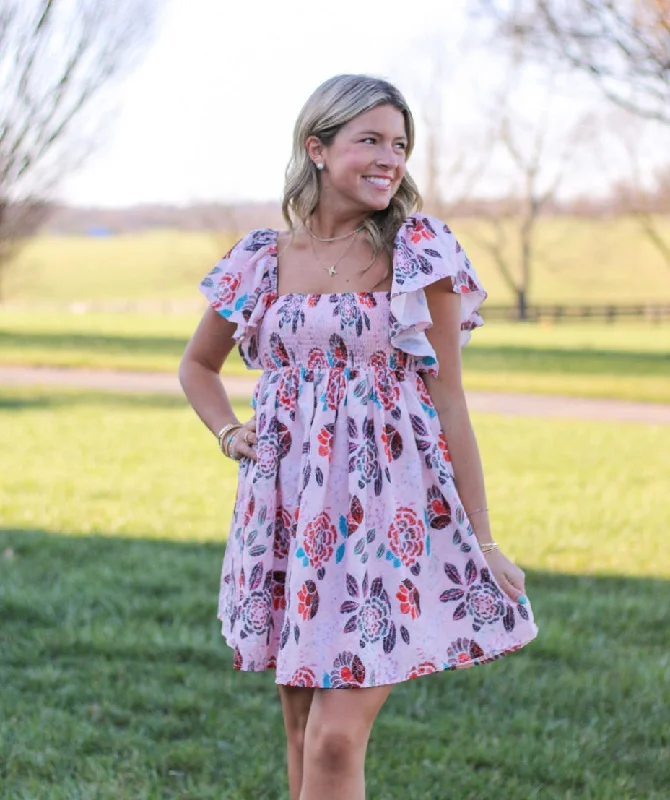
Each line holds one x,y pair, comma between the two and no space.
228,442
476,511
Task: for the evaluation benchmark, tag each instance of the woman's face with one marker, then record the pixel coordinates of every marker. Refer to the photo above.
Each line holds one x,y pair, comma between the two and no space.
365,163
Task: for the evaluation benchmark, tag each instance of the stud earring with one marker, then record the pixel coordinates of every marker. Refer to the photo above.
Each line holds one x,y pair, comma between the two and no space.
319,165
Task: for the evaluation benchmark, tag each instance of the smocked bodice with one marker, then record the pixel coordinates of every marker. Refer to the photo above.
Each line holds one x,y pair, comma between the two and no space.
340,331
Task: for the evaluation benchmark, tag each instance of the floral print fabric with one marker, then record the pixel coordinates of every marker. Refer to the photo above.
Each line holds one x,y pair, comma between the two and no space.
351,561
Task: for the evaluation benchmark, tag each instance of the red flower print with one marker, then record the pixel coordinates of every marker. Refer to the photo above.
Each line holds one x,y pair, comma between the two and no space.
385,442
379,359
278,585
278,598
237,659
338,351
335,389
320,536
308,600
408,595
424,395
442,444
326,440
420,231
406,536
303,677
387,390
282,533
249,510
426,668
439,510
225,291
463,652
392,442
348,672
317,359
272,663
368,299
355,515
288,391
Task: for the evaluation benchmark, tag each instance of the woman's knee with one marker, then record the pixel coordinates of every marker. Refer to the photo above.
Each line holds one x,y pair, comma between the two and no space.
334,746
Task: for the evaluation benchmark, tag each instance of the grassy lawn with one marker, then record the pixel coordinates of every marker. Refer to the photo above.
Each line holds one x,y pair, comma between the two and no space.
116,684
626,361
578,260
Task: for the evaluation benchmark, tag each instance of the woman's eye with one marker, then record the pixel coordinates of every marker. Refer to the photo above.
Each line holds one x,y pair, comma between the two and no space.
370,139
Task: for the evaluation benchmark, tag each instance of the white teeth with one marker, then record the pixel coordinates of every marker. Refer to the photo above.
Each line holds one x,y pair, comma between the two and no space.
379,181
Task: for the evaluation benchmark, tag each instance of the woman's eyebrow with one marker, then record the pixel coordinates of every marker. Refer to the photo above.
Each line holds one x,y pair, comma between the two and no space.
377,133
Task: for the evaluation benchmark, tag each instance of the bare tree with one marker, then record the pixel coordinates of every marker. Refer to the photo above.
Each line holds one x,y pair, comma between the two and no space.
623,44
57,59
633,195
537,165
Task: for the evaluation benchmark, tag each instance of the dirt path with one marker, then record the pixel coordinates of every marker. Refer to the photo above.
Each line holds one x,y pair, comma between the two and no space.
525,405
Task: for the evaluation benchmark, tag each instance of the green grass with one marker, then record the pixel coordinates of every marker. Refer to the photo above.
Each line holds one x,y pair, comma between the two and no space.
577,260
626,361
115,683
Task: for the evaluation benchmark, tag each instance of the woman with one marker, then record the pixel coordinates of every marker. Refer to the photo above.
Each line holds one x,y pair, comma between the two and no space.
360,553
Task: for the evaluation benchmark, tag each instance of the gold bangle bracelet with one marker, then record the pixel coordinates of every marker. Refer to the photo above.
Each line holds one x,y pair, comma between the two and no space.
223,433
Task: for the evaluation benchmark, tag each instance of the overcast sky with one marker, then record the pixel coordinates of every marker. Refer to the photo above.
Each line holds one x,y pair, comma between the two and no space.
209,113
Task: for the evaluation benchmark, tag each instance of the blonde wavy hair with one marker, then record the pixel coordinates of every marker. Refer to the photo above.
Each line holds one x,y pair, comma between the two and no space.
336,102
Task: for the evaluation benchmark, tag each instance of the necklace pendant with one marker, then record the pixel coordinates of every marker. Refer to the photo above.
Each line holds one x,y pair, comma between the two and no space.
332,271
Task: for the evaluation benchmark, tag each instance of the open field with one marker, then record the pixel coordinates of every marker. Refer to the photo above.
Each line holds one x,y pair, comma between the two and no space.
629,361
587,261
116,684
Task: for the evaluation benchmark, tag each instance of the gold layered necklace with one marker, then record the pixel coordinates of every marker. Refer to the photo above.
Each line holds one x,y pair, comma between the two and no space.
308,225
332,268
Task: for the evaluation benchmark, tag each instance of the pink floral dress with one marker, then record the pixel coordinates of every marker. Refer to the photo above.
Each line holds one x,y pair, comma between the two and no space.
351,561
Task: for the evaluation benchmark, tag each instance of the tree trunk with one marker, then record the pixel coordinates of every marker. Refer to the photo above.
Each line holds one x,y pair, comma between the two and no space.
521,305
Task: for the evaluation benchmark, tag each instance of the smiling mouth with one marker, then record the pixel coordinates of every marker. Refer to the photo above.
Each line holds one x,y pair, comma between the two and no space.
382,183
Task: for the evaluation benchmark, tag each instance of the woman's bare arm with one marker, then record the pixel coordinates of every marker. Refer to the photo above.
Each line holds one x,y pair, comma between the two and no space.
446,392
199,376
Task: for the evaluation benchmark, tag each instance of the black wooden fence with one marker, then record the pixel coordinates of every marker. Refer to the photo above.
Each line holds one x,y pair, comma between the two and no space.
567,312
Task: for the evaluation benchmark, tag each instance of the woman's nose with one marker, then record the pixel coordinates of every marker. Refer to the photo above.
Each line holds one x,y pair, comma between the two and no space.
387,157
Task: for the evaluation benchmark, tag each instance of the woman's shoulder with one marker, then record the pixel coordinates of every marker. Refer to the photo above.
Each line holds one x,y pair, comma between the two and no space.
255,240
419,227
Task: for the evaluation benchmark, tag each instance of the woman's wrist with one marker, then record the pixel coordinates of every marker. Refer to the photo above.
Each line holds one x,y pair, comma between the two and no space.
225,436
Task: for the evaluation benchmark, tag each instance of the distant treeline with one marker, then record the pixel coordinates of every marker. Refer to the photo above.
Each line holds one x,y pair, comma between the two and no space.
240,218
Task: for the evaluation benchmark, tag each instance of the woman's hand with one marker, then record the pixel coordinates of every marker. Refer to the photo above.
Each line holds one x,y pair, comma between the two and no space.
243,444
510,578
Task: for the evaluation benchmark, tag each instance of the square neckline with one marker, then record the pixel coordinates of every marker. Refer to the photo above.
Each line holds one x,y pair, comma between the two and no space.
275,280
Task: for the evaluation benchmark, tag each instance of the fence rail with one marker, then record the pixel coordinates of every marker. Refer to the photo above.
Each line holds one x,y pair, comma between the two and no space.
535,312
566,312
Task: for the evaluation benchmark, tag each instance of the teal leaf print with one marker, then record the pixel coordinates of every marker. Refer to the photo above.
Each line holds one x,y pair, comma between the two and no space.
343,526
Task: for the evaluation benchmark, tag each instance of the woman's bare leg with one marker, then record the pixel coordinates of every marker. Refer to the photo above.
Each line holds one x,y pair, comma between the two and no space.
296,703
336,739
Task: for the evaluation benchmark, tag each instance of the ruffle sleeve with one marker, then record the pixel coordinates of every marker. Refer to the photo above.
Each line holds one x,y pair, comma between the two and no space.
426,251
239,288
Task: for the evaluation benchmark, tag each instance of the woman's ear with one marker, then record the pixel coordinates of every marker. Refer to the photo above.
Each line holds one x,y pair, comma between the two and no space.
315,149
